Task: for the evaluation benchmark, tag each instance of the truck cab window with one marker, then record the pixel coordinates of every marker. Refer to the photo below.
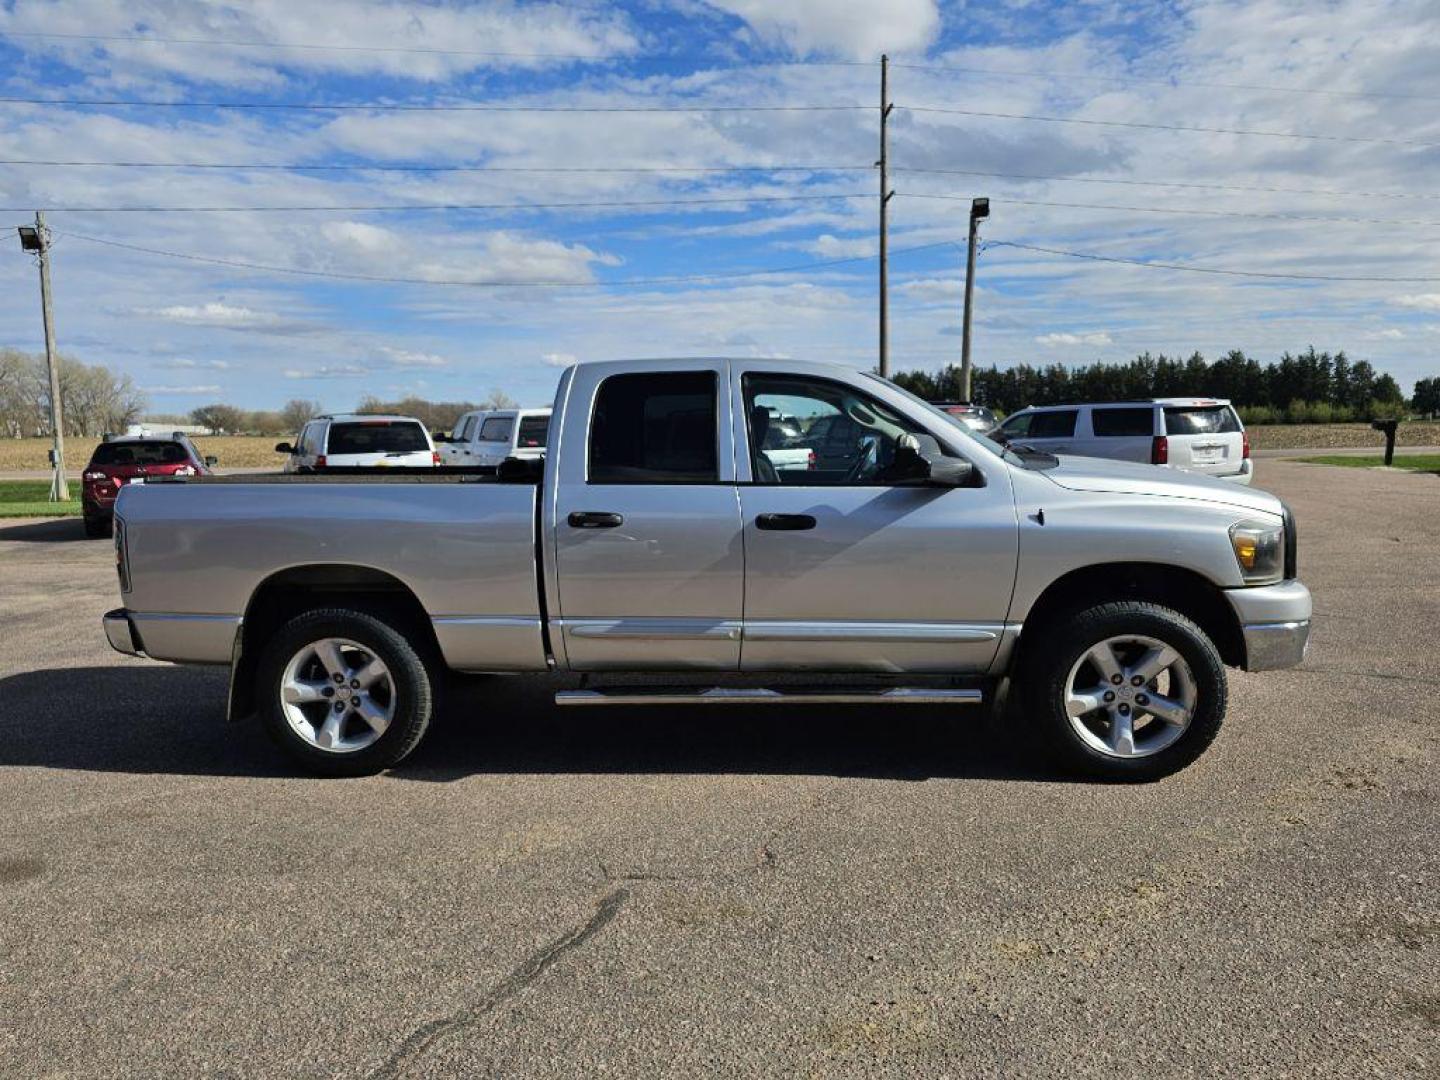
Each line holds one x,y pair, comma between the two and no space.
810,431
655,429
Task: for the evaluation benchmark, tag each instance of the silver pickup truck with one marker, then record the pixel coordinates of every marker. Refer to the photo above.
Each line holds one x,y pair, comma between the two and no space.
917,564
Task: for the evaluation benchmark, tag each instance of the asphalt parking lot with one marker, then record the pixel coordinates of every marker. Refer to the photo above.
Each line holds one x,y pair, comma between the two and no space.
824,892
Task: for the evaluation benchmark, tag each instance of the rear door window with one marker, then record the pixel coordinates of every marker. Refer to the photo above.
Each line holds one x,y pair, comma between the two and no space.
497,429
1200,420
1118,422
377,437
655,429
468,430
140,453
533,430
1053,425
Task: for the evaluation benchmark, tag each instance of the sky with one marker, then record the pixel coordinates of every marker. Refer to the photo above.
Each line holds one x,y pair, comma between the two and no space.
741,138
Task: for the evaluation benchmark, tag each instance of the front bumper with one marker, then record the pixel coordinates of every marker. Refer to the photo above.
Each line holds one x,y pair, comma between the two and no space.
120,632
1275,622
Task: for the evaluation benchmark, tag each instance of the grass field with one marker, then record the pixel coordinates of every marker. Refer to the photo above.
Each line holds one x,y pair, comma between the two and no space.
31,498
1415,462
234,452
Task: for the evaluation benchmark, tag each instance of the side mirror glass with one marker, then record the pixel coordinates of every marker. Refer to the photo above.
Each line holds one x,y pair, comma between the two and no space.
211,460
284,448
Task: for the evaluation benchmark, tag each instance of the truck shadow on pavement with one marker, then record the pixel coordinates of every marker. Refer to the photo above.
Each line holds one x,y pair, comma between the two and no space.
52,531
153,719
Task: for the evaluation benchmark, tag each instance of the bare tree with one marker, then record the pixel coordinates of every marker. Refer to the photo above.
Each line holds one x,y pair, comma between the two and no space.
299,412
218,418
498,399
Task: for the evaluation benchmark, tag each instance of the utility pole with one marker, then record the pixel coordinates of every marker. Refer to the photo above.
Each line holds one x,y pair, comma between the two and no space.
979,208
885,194
38,241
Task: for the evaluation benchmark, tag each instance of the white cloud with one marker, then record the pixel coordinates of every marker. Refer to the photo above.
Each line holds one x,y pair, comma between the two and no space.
410,358
1422,301
835,247
328,371
559,359
1098,337
184,363
858,28
229,317
197,389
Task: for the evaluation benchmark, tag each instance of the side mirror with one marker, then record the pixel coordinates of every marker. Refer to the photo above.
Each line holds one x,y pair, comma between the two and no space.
211,460
284,448
918,460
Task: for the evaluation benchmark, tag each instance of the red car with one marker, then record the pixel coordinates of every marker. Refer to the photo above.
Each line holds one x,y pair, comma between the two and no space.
128,459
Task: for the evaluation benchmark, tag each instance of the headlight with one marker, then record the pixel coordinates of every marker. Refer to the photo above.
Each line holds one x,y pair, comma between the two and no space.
1260,551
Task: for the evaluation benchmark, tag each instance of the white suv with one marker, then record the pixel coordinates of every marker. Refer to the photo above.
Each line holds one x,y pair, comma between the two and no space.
360,441
1202,435
482,440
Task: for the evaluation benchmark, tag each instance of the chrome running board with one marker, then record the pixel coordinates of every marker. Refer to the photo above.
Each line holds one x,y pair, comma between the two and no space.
721,695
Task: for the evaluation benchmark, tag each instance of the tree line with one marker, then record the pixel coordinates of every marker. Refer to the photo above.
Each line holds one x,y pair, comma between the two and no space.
93,399
1307,386
220,418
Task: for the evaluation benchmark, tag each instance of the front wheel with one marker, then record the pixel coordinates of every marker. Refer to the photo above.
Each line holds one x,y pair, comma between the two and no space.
1126,691
343,692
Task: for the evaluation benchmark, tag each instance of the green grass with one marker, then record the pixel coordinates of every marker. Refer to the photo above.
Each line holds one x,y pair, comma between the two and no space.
1415,462
31,498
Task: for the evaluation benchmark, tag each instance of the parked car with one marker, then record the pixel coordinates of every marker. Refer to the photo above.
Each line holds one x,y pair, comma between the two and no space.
488,438
780,440
354,441
976,417
937,570
133,459
455,448
1202,435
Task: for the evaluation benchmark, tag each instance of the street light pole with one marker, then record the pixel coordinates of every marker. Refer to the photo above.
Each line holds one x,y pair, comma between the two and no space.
38,241
979,208
885,194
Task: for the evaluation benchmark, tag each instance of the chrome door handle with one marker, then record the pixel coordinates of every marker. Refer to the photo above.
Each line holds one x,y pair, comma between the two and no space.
785,522
594,519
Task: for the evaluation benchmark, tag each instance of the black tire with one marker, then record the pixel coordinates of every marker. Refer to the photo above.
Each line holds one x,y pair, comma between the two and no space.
97,527
413,683
1047,663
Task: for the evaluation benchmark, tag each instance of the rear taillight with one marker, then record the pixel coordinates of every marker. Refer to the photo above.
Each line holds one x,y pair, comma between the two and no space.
435,457
320,461
185,470
1159,450
1244,445
810,460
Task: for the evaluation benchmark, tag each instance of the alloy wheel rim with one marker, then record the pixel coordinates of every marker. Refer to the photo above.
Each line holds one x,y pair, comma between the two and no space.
337,695
1130,696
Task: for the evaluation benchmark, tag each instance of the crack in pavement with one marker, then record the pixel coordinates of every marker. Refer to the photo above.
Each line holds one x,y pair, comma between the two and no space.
531,968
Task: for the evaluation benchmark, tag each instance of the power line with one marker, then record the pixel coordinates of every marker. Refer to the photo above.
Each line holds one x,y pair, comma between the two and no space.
245,165
1168,127
438,206
1199,269
1173,184
1081,77
483,107
417,50
1183,210
377,279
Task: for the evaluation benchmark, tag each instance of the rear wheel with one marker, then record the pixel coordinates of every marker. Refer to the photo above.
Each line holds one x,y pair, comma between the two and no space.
97,526
343,692
1126,691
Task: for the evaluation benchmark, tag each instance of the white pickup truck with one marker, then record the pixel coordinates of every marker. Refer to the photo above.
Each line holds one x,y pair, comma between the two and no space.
920,564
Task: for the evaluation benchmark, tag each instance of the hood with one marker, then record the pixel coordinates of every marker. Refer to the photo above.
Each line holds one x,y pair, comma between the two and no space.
1130,478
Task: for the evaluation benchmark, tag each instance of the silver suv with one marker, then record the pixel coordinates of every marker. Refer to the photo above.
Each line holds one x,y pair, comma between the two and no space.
1202,435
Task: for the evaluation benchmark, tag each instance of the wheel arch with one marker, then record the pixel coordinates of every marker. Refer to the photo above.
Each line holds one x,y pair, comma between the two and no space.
297,589
1185,591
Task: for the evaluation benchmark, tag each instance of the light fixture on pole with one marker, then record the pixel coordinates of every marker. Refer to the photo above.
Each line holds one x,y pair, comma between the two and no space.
979,208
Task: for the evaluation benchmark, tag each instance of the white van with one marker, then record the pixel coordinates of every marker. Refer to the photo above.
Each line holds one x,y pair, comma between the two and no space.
1202,435
484,439
360,441
453,450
